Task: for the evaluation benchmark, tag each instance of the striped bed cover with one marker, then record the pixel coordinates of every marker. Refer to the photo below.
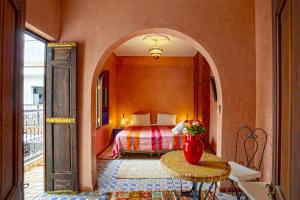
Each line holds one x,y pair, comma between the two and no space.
146,138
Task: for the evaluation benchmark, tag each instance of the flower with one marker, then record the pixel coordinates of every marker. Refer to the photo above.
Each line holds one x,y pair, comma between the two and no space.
193,127
195,123
189,125
185,131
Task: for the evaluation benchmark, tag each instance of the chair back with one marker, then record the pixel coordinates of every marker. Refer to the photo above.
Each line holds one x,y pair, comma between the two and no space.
254,143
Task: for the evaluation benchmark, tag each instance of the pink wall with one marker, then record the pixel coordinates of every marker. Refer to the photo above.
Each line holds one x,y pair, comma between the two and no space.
103,134
228,43
164,85
100,26
264,76
43,17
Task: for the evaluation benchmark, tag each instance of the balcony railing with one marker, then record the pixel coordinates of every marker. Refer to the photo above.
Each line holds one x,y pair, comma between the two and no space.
33,136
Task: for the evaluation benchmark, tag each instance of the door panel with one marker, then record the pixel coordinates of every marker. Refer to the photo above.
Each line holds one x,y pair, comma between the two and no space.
202,93
61,92
61,135
285,95
62,140
12,15
205,93
286,171
295,99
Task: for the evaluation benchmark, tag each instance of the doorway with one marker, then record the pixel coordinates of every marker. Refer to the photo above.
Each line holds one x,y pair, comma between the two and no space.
33,117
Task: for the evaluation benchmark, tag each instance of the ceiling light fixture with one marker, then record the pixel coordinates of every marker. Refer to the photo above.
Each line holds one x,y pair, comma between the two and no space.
156,52
156,41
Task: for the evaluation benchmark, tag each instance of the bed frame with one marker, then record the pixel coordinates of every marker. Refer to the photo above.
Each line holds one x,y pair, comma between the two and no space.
151,152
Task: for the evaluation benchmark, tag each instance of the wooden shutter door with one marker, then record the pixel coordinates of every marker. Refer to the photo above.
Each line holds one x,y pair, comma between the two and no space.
12,15
61,135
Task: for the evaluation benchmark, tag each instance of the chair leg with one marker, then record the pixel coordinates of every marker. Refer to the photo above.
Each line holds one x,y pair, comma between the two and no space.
235,189
245,197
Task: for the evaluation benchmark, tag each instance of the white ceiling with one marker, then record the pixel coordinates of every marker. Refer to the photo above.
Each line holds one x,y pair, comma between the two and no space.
139,47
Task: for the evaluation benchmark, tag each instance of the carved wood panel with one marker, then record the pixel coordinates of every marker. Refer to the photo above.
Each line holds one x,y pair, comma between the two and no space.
61,134
12,15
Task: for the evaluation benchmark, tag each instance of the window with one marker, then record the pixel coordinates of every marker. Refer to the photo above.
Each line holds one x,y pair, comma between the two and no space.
34,69
38,95
102,102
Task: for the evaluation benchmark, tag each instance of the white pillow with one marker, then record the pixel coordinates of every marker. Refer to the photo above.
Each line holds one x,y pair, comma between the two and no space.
175,131
166,119
140,119
178,128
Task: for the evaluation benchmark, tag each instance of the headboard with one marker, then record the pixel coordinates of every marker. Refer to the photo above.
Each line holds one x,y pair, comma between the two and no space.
153,115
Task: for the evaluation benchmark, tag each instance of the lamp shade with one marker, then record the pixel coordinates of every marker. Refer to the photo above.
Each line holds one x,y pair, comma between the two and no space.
156,52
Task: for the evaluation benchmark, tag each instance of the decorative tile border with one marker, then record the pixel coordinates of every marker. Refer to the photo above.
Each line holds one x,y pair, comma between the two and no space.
107,171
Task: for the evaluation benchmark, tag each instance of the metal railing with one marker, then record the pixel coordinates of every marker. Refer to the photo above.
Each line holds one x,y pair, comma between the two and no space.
33,136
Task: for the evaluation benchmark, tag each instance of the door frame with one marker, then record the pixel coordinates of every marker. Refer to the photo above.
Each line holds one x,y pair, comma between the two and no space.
11,136
277,6
45,41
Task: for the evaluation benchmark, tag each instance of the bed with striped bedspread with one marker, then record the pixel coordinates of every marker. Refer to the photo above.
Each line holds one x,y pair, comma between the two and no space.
146,139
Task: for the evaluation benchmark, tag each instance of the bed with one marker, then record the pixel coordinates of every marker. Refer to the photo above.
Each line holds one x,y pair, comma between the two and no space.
150,139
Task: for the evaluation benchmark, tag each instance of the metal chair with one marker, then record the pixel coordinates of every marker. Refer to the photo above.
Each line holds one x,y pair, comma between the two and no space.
256,190
247,163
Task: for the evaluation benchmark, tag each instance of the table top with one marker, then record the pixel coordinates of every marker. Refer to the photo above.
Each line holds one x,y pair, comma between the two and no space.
211,168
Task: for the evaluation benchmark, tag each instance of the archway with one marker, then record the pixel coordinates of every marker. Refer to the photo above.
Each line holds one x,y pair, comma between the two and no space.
174,33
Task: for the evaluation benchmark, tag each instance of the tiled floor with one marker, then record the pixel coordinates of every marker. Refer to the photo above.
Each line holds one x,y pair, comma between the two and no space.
34,183
107,172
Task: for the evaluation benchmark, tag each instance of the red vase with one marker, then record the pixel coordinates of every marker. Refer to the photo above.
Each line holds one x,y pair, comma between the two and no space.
193,148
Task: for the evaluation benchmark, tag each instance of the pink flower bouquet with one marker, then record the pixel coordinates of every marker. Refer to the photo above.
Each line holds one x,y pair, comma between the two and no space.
193,127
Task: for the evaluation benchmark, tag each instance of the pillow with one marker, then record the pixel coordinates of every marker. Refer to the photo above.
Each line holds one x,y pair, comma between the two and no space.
175,131
166,119
140,119
178,128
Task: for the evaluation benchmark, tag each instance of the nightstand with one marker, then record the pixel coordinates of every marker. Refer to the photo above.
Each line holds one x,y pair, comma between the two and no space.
115,132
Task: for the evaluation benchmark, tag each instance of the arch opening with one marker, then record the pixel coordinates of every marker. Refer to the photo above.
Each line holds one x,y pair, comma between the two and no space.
173,33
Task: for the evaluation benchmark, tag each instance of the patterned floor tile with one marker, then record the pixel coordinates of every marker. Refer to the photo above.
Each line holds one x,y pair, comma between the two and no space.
34,183
107,171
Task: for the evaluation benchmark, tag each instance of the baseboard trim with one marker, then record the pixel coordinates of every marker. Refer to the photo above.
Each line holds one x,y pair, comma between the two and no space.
98,154
86,189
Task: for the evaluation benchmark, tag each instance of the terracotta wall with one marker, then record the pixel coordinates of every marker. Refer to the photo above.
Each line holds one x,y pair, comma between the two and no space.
164,85
43,17
227,44
103,134
264,95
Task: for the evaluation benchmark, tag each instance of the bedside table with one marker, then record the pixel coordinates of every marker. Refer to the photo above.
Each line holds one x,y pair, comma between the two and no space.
115,132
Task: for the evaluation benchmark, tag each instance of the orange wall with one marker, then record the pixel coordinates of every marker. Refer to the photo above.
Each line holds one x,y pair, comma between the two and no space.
165,85
264,76
103,134
96,26
43,17
230,44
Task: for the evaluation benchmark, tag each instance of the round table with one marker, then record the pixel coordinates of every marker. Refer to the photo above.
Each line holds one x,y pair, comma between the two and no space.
210,169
